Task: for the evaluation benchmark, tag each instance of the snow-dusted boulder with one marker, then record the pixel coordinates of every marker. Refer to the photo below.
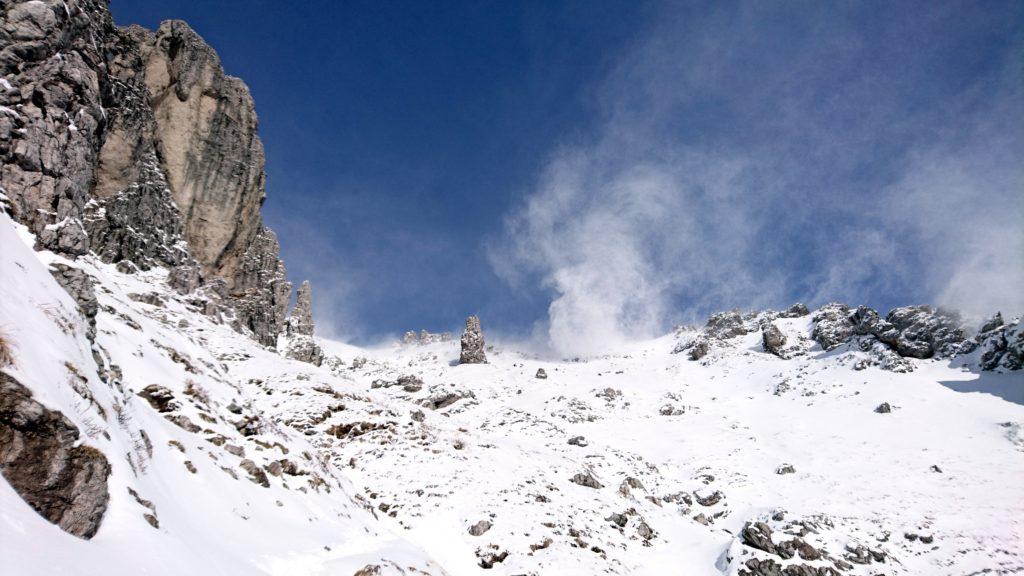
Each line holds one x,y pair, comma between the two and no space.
42,459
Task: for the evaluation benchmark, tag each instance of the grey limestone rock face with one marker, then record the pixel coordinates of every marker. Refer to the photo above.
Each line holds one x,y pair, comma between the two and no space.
136,146
80,286
260,290
51,114
206,135
40,457
140,224
473,343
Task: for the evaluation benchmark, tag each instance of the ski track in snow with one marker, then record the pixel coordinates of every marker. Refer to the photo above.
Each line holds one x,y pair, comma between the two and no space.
403,493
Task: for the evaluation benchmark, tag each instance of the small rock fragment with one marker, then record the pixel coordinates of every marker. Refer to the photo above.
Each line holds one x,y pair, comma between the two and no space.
479,528
586,479
578,441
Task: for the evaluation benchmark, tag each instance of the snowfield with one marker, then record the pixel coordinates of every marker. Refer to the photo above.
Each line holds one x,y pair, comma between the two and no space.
397,460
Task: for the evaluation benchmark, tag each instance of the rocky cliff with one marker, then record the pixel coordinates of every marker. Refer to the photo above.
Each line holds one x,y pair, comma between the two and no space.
135,145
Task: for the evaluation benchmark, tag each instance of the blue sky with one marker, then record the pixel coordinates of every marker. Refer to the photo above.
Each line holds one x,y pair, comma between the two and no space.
588,172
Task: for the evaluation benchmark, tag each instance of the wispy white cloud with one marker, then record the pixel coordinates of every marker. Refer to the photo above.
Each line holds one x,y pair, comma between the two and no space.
744,157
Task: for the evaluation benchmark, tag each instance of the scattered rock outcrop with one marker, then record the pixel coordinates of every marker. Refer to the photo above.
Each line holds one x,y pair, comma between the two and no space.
797,310
916,332
472,343
425,337
913,331
725,325
832,325
40,457
1002,345
696,347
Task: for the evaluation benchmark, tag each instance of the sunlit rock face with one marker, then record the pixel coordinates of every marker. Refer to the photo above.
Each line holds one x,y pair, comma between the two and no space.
135,145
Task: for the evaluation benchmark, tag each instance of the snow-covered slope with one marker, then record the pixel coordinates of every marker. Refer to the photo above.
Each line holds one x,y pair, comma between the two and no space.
190,477
641,462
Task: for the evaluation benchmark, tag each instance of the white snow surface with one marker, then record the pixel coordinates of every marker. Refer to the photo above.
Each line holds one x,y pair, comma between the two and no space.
380,487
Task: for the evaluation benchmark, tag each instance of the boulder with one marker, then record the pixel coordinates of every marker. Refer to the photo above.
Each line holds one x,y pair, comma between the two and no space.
479,528
160,398
41,458
773,340
586,479
304,349
578,441
698,349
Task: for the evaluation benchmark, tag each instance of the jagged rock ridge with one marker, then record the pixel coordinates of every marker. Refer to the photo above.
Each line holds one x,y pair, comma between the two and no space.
905,333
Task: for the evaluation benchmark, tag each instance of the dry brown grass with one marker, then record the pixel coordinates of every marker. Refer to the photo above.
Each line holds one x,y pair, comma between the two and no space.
6,351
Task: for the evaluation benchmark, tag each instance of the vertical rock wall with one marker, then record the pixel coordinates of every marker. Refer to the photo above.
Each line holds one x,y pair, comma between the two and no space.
136,146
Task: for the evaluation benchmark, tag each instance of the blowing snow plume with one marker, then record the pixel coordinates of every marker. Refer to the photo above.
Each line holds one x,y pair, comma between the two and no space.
738,165
616,243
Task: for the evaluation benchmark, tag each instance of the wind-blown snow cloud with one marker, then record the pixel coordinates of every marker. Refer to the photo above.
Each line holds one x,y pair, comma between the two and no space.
746,157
